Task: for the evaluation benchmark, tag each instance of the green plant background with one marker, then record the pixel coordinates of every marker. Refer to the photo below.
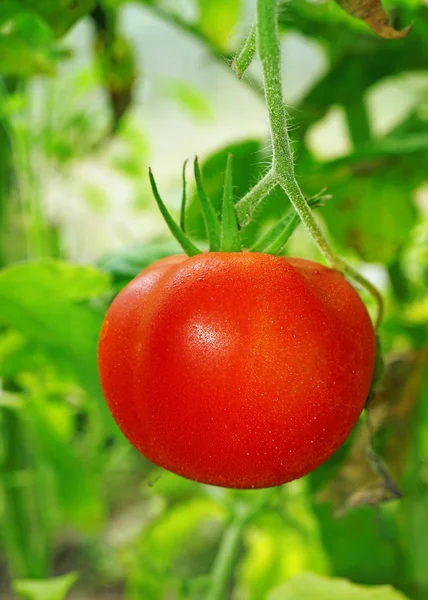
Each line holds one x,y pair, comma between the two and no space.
82,515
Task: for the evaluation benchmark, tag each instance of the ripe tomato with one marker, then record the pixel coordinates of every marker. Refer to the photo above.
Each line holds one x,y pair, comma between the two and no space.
240,370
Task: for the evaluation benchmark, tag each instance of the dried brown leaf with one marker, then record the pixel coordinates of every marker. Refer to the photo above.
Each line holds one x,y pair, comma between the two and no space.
371,11
364,479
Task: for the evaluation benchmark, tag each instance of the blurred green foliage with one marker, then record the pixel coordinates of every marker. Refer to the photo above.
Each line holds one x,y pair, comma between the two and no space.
53,589
73,495
312,587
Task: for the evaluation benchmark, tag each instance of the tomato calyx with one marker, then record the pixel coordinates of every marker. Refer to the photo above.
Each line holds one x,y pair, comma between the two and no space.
223,231
188,246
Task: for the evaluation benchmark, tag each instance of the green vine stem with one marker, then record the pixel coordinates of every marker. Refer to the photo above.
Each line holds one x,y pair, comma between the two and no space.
246,206
282,172
195,32
274,240
358,278
282,159
230,545
358,122
243,59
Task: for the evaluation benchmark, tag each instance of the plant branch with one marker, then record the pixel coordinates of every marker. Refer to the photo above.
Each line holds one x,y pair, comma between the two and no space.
243,59
283,163
358,122
282,157
193,30
248,203
230,546
356,276
274,240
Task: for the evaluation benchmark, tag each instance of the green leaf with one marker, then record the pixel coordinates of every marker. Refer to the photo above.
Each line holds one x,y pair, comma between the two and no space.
413,514
381,562
48,301
392,145
125,264
169,533
315,587
28,356
70,282
218,19
230,241
212,223
60,15
164,544
358,60
25,499
27,47
56,588
77,478
188,246
372,215
288,523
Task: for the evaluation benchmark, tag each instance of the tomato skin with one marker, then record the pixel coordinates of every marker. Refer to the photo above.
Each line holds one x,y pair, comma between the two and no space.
241,370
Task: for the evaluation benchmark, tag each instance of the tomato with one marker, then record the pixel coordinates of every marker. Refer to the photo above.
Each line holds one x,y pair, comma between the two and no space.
241,370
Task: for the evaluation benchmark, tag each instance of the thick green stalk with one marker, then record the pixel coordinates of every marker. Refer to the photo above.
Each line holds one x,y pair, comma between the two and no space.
230,546
399,283
358,122
283,164
194,31
227,556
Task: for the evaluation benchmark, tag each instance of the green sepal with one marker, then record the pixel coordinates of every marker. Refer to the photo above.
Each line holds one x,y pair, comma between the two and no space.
229,241
212,223
274,240
183,199
189,247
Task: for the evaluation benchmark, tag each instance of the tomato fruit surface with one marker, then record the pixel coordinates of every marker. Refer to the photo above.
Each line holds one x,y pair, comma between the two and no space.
240,370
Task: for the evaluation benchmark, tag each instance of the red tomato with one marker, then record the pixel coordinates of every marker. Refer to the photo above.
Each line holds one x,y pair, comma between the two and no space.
240,370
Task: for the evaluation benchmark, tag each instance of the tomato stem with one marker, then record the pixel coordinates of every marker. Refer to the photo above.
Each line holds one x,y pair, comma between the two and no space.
282,157
358,278
245,207
230,545
283,172
195,32
274,240
244,58
358,122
